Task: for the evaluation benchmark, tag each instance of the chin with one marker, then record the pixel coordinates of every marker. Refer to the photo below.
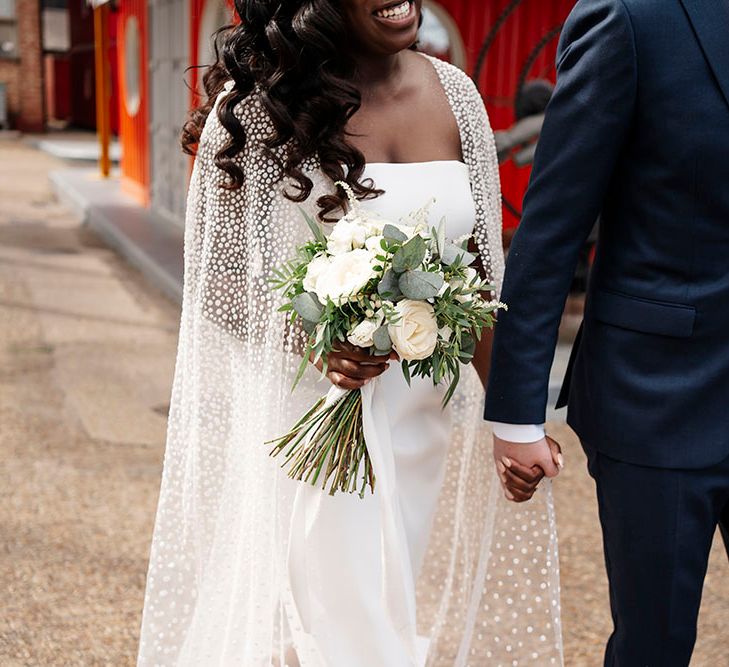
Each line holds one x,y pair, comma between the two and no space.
394,24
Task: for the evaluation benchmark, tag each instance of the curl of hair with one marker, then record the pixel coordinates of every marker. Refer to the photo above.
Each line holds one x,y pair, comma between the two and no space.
293,55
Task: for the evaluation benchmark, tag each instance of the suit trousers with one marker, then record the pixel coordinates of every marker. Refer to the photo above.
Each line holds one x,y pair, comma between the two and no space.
658,526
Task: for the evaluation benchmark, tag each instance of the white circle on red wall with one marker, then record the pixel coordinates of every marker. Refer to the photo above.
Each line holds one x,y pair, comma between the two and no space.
440,36
132,66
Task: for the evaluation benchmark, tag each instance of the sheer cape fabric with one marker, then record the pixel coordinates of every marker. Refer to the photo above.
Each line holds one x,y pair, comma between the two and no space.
488,592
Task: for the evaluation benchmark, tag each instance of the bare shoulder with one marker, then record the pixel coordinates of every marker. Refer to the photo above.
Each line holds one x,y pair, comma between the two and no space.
457,84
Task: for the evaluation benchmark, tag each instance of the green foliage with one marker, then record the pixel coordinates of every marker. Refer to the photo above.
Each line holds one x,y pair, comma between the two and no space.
392,233
315,227
382,340
410,255
420,285
454,255
307,307
388,286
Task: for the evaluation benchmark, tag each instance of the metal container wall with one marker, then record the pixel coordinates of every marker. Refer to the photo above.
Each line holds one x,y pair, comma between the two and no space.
134,130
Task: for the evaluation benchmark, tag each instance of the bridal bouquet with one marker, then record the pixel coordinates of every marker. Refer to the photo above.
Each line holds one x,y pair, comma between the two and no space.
383,286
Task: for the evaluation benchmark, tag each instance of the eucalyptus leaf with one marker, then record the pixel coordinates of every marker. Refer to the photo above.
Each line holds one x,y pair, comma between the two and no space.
440,235
308,326
392,233
409,256
406,371
307,306
420,285
314,226
467,258
303,365
452,254
382,340
388,287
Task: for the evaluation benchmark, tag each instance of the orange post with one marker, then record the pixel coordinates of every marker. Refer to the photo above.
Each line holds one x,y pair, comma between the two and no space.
103,96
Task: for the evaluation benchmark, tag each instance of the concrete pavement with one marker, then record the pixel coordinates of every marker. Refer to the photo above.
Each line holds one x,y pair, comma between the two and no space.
86,360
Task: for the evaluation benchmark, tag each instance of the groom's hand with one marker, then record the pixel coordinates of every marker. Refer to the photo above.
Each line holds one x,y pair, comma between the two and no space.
522,466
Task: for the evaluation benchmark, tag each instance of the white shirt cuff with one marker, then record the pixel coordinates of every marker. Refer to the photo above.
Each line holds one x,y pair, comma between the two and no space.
518,432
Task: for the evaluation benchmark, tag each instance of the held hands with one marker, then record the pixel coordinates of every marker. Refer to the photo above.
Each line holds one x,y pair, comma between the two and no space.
522,466
352,367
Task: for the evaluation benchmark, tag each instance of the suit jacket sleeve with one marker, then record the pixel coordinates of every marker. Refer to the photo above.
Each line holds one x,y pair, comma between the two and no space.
585,127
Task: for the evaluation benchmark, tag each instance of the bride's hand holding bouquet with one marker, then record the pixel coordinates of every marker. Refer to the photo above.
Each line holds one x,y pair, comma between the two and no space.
351,367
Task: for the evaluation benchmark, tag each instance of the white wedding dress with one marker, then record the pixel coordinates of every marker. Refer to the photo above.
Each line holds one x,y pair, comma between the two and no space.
251,569
345,581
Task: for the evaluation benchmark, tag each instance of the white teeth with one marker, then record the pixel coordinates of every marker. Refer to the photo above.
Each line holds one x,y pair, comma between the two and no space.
400,11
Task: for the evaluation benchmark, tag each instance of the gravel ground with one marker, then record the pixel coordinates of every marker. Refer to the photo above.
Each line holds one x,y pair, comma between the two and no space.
86,360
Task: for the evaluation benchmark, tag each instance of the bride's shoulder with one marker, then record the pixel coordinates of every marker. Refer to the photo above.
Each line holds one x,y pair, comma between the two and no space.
248,112
463,95
446,71
456,82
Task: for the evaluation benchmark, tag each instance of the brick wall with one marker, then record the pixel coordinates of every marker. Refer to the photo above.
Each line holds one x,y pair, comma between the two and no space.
23,75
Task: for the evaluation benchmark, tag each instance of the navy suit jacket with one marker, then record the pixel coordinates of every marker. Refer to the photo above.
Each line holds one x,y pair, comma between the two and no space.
637,132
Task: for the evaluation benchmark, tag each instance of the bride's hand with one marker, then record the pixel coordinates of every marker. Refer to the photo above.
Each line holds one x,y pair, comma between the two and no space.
520,479
352,367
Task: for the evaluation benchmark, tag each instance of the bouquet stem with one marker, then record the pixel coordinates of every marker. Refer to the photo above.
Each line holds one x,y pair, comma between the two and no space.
326,447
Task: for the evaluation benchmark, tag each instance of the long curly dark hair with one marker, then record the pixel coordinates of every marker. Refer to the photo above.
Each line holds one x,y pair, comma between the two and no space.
294,55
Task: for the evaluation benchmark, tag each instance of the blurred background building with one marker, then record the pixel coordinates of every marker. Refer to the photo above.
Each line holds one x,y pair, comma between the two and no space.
21,65
47,65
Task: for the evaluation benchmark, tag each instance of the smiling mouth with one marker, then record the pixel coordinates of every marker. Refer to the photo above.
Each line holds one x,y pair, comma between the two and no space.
395,12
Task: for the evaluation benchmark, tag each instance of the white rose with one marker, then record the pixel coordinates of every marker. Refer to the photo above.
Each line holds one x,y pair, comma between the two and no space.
347,235
471,276
345,276
374,226
415,335
359,236
373,244
316,267
362,334
467,284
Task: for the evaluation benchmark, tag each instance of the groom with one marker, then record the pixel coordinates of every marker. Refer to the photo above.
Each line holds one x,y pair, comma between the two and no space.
638,133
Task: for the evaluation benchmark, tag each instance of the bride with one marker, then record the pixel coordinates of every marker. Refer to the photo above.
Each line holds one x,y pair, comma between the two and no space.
247,566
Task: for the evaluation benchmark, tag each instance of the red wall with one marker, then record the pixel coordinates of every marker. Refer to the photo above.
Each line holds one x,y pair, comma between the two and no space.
57,67
518,36
134,129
